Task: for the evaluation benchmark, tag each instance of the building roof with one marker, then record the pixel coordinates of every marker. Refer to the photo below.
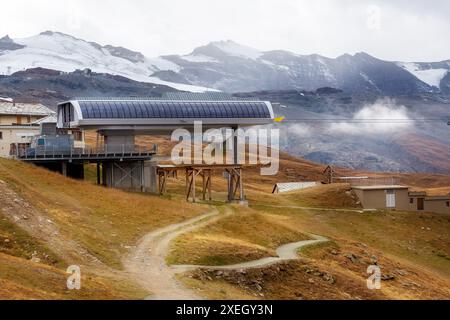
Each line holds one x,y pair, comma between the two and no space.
380,187
417,193
198,96
172,109
28,109
291,186
116,114
48,119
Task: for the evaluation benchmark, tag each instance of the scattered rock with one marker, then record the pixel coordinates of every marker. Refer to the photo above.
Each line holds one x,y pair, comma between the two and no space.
311,280
410,284
6,240
351,257
387,277
35,259
219,273
373,260
328,278
401,272
334,252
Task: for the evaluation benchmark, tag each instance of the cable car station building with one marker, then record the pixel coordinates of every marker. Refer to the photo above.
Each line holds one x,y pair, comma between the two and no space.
123,164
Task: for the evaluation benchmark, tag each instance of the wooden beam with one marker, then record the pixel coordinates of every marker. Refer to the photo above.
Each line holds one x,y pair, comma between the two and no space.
241,186
193,185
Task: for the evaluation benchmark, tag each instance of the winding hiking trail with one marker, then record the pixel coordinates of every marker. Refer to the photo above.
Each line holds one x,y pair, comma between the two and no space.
285,252
146,263
147,260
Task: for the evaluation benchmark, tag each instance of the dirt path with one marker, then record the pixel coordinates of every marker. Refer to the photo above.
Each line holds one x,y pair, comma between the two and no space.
147,262
147,265
285,252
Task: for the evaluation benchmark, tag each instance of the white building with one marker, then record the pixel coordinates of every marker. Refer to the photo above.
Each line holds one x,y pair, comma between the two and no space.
19,122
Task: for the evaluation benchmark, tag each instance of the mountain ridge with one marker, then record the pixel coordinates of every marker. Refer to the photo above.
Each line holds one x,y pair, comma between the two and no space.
227,66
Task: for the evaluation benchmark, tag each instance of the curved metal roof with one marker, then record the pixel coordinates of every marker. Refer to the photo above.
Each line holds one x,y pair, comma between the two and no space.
161,116
165,109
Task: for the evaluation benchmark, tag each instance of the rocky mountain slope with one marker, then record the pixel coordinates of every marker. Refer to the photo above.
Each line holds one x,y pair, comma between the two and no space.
226,66
51,86
402,134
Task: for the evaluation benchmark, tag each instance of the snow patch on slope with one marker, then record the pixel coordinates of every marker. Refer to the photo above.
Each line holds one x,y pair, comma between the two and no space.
198,58
57,51
431,77
238,50
3,99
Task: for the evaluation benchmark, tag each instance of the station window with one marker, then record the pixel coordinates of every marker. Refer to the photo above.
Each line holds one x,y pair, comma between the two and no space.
1,135
411,200
447,203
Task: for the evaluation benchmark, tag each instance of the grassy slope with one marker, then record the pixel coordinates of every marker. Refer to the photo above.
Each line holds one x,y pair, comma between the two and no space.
417,242
104,223
246,235
102,220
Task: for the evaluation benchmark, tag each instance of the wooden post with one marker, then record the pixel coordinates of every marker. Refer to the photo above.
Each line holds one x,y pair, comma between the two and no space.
193,185
164,182
187,180
203,185
209,184
241,186
142,176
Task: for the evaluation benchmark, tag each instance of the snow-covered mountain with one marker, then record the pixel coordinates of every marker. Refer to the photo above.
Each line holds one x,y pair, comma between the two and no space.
62,52
226,66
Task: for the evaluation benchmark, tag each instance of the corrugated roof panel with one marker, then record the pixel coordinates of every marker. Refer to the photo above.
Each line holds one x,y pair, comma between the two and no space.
123,109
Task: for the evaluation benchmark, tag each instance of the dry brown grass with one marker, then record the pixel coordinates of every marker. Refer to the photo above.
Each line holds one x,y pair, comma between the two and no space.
23,279
104,221
325,275
246,235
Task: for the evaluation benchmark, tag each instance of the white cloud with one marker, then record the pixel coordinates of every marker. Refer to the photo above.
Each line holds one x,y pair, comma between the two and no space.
299,130
404,30
384,116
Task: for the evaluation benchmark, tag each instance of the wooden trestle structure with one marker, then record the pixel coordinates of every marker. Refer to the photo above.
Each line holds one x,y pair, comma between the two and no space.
233,173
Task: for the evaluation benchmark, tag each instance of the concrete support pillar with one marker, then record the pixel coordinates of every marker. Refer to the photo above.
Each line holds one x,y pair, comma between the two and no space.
150,177
64,168
98,173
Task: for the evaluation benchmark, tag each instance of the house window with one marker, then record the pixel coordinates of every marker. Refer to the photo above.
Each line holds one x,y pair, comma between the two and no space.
1,135
411,200
447,203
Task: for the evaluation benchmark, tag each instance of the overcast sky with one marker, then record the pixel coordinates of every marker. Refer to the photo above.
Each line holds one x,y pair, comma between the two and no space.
407,30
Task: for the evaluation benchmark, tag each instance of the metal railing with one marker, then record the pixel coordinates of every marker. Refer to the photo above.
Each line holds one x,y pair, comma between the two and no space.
58,152
372,181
